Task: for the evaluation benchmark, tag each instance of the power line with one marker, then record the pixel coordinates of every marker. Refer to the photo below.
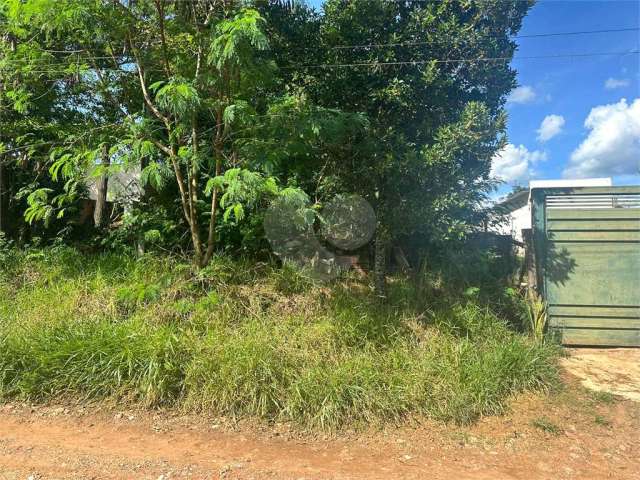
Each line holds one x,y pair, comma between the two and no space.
466,60
73,61
535,35
378,45
583,32
54,143
406,62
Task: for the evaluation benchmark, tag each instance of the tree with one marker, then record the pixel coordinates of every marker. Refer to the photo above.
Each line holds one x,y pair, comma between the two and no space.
436,122
102,188
401,102
180,89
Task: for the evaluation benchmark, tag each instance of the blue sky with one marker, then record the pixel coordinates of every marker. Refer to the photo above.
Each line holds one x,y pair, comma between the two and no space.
592,125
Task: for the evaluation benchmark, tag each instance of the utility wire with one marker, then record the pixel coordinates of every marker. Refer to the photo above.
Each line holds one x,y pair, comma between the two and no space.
398,44
409,62
59,143
583,32
535,35
466,60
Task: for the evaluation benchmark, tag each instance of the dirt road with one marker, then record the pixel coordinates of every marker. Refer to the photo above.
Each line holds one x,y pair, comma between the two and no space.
572,434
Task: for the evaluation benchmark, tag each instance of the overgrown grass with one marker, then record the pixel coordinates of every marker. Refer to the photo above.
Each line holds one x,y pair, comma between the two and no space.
252,340
92,360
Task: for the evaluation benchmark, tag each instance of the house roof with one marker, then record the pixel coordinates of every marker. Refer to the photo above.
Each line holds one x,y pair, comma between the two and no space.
571,182
124,186
521,198
513,202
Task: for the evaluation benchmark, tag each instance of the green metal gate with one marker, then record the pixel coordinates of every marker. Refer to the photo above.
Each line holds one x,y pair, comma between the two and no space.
587,249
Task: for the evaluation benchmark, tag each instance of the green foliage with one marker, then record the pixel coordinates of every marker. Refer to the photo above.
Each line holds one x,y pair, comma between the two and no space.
536,314
237,39
155,228
240,187
243,189
39,207
138,294
156,174
186,93
176,96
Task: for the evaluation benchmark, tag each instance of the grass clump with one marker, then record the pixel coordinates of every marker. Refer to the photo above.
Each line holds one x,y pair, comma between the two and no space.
602,421
546,425
237,339
601,396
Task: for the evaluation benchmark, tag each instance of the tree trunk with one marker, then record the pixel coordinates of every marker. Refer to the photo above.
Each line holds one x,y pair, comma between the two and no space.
211,238
380,263
102,186
401,259
145,197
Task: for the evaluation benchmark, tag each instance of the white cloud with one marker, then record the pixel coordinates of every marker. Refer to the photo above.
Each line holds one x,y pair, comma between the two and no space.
523,94
613,144
550,127
613,83
514,164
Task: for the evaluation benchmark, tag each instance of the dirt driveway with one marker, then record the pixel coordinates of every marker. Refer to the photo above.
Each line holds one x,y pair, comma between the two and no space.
613,370
571,434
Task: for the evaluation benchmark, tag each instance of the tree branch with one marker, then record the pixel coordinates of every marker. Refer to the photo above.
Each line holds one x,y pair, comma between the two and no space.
161,146
145,92
163,40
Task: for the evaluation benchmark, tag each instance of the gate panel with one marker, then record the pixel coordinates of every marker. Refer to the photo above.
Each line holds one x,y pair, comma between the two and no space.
587,244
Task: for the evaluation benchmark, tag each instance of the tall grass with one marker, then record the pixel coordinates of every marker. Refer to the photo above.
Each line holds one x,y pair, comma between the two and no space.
92,360
250,340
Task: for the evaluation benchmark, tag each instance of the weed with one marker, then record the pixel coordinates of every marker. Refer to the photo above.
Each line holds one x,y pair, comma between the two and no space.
138,294
602,421
603,397
291,279
546,425
537,315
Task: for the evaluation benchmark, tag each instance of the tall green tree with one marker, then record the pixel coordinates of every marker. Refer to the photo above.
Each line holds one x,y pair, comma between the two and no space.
184,91
432,77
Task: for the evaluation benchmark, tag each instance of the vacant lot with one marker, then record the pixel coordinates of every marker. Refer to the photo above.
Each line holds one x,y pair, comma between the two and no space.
249,340
118,368
576,434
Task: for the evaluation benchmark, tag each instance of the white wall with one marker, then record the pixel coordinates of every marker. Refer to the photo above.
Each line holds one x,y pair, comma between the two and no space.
520,219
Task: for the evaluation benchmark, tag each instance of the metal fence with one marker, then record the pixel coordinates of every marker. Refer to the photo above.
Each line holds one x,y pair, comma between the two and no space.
587,250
